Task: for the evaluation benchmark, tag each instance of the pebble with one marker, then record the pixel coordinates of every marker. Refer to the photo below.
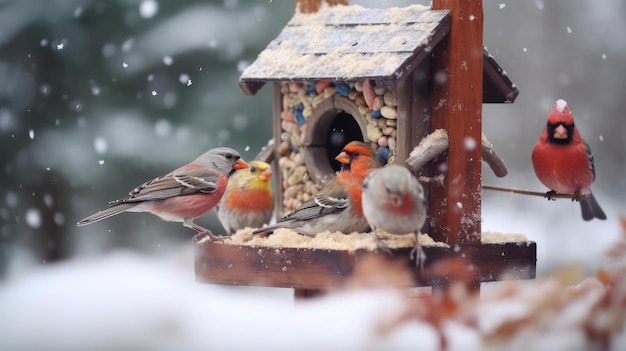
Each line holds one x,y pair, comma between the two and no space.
294,87
297,113
286,102
363,109
392,143
391,122
342,88
368,93
379,90
353,95
373,133
295,139
381,123
388,130
316,100
321,85
387,112
390,99
296,158
360,101
303,131
358,85
378,103
288,126
307,112
377,114
287,116
284,162
296,175
383,152
310,89
284,147
382,141
329,91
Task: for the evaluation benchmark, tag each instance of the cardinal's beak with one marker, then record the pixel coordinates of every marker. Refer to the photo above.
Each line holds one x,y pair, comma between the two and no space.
343,157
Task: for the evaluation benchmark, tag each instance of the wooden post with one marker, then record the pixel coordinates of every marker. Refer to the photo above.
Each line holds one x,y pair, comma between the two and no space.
310,6
457,107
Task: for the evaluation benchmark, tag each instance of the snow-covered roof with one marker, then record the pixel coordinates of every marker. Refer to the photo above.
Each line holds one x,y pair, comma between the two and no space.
354,43
348,42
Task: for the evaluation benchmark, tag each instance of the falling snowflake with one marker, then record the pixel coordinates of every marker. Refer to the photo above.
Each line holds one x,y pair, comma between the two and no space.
148,8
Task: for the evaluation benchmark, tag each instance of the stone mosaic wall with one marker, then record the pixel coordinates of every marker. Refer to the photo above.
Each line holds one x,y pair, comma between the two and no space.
376,104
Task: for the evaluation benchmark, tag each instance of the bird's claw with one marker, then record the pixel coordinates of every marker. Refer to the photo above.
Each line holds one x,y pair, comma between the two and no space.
577,196
550,195
215,238
418,254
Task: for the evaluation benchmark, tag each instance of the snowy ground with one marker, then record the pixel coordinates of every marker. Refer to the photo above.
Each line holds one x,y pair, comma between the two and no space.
124,301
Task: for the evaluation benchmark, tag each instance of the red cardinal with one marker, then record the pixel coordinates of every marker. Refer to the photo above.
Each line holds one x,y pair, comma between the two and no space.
563,161
182,195
337,207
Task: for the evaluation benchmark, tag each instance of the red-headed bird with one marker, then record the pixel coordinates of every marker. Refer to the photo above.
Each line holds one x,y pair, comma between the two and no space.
182,195
393,200
337,207
563,161
248,201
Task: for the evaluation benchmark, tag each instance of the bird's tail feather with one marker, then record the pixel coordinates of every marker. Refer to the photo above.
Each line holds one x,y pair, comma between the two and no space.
591,209
109,212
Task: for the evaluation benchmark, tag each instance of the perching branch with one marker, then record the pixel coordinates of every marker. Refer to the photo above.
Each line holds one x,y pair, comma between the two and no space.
550,195
437,143
267,152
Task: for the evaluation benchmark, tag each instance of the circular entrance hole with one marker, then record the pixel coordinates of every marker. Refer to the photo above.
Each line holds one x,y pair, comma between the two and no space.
333,124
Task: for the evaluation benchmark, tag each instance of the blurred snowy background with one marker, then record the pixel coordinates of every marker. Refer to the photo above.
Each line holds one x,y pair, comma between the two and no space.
98,96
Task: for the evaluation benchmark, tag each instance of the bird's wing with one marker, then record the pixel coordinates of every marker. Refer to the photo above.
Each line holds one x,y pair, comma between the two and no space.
188,182
318,206
590,160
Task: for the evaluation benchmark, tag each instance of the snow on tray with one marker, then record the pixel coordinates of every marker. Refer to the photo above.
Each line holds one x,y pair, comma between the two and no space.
288,238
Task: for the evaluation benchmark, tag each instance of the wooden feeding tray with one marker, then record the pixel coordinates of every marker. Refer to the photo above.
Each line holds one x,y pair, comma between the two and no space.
321,269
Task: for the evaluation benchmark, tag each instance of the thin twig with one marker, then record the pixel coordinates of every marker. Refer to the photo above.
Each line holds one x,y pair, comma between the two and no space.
533,193
433,180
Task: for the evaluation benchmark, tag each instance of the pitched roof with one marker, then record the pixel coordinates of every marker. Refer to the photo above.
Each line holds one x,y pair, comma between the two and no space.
351,42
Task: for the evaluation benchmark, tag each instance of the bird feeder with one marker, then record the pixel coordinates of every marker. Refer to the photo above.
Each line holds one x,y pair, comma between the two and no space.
389,77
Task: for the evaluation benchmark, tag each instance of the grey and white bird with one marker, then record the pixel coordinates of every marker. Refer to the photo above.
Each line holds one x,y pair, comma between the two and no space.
393,200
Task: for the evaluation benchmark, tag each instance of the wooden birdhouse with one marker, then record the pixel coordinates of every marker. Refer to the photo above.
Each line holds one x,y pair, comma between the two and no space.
388,77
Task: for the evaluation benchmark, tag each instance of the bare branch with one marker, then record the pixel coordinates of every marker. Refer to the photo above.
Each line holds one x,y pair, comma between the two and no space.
535,193
267,152
436,143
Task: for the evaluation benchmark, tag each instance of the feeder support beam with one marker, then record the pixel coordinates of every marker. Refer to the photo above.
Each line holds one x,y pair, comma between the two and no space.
457,72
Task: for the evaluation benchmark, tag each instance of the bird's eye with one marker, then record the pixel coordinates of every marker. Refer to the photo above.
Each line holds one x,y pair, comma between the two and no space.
355,154
228,156
252,169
